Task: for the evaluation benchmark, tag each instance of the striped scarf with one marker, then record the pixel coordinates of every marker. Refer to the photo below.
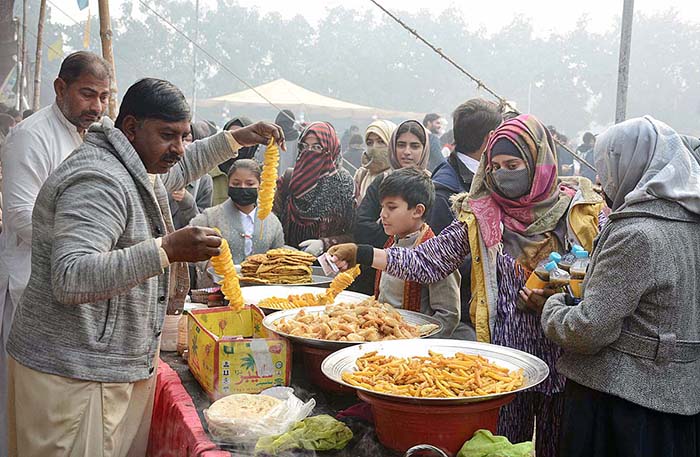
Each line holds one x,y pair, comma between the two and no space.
312,166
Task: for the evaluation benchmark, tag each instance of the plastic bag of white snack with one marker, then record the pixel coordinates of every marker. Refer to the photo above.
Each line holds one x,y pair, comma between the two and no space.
243,418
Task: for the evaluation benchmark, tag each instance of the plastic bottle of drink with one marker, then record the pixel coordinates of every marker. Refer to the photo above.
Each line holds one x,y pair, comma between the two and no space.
539,278
569,258
578,272
558,278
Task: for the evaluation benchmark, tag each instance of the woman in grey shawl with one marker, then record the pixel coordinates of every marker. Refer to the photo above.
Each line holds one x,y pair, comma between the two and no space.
632,345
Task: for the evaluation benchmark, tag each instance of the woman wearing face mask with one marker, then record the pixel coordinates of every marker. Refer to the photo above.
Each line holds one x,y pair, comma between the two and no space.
314,200
516,214
409,146
236,217
632,346
375,158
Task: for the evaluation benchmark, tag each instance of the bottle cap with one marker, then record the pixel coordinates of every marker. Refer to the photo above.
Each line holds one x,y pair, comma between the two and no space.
555,257
550,266
575,248
581,254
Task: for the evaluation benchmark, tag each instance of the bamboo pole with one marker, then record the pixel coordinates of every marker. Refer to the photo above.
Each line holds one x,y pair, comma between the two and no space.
23,55
106,39
37,65
624,62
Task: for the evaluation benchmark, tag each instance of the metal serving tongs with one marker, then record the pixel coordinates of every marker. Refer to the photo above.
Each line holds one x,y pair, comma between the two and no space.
425,450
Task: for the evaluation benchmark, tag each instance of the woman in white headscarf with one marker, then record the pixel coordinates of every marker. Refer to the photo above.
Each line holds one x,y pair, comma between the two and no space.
375,159
632,345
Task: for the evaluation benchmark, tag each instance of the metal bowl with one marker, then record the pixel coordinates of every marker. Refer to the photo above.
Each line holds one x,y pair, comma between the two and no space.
534,369
410,317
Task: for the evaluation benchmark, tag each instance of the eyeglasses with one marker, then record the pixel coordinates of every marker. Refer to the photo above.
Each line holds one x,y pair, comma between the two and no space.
303,147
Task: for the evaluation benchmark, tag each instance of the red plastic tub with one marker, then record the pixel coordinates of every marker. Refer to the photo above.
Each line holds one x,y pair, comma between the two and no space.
313,357
404,424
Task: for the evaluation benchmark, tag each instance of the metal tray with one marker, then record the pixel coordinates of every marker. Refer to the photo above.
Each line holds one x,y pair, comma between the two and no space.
318,279
534,369
410,317
253,295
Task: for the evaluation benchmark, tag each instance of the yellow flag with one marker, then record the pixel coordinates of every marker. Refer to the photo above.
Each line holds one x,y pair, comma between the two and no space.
86,35
56,49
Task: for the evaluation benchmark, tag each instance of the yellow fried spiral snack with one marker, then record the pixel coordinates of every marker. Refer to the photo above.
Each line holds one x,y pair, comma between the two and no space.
268,184
223,266
341,282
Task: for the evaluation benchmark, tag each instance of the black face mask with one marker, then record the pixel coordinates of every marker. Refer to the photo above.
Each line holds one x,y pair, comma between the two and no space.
243,196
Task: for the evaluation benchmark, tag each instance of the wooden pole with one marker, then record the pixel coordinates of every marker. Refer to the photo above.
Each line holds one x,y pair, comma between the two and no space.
23,54
193,108
106,39
624,63
37,65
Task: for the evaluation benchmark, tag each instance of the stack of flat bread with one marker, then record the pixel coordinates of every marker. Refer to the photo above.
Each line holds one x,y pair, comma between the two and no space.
230,417
278,266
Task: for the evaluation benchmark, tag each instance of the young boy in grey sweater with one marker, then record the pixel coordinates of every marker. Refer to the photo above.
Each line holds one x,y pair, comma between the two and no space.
406,196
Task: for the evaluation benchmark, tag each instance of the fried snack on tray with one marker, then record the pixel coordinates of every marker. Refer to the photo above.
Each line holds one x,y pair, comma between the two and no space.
290,302
279,266
268,183
341,282
365,321
435,376
223,266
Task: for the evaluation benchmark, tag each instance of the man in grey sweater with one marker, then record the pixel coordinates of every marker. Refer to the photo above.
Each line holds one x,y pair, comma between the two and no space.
105,261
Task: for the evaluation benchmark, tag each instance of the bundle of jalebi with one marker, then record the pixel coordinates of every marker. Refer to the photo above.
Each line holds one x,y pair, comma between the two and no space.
223,266
268,183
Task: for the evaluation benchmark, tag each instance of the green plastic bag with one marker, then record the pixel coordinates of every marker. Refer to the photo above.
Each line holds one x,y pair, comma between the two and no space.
317,433
484,444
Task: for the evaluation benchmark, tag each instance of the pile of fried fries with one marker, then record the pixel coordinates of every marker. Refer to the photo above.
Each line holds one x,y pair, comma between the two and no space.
435,376
365,321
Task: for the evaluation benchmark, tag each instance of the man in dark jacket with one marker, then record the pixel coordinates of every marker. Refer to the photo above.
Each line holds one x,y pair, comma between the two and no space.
473,120
431,122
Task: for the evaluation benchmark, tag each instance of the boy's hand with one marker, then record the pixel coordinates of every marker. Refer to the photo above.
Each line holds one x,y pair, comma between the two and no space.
343,255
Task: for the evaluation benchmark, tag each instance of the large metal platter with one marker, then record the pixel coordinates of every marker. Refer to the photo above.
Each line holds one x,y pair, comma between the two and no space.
318,279
534,369
410,317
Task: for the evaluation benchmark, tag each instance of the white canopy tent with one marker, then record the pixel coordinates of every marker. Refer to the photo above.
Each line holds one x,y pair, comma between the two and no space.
287,95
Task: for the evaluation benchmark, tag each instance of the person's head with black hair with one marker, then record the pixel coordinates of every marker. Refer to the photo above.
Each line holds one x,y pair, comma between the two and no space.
243,184
26,113
406,196
588,139
155,118
473,122
82,88
243,153
431,121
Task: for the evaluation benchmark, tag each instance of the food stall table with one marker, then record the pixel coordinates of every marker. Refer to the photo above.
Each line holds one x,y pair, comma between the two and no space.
179,429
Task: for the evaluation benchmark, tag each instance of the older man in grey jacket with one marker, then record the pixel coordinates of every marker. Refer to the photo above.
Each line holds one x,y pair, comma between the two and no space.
105,261
632,346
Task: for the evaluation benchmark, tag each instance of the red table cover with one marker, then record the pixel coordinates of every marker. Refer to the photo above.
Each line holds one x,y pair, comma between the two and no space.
175,428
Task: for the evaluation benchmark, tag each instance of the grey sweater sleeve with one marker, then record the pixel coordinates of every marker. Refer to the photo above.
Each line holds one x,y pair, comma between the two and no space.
622,274
200,157
442,302
91,215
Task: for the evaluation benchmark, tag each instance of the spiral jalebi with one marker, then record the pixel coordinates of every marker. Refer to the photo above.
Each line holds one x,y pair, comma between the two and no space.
341,282
268,184
230,286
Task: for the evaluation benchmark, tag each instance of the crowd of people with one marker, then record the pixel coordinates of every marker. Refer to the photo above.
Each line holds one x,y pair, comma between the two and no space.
108,225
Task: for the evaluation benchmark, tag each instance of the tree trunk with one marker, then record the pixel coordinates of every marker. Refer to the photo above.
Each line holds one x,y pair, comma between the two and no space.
22,85
8,41
106,39
36,104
